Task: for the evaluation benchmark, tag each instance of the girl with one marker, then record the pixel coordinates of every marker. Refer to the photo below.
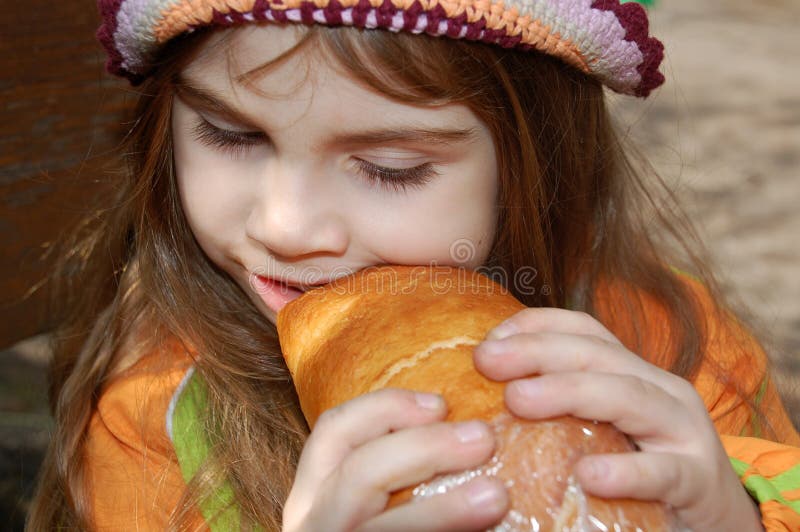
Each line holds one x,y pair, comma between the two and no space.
268,156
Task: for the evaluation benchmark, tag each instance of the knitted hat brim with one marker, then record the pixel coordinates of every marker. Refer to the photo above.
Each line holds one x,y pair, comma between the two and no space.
602,38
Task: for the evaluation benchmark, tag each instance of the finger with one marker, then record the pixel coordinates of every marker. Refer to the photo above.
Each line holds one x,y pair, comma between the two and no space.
541,319
477,505
635,406
339,430
671,478
687,483
553,352
417,454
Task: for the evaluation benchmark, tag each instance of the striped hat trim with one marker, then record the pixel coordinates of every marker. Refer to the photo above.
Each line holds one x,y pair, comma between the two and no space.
600,37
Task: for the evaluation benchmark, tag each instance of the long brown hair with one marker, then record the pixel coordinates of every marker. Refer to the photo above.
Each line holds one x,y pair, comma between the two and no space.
573,207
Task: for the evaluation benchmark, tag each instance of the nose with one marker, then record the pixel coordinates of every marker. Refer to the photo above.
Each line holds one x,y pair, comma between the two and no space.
294,214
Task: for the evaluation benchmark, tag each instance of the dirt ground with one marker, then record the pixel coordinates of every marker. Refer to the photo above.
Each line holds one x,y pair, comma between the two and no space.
724,130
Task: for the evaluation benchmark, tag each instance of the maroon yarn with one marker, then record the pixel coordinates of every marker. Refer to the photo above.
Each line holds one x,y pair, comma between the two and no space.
307,12
237,18
359,13
108,10
384,14
633,19
220,19
279,15
631,16
411,15
333,13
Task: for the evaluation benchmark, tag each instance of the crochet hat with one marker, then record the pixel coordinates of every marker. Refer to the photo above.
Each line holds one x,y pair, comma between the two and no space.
603,38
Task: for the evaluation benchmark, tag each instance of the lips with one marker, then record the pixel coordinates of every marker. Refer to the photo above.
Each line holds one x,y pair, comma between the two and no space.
280,282
303,287
292,284
274,293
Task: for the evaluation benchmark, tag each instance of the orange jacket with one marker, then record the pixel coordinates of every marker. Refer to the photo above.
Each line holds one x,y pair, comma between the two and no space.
734,383
141,446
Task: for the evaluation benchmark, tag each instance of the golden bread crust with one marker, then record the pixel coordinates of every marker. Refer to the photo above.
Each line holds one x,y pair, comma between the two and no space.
416,328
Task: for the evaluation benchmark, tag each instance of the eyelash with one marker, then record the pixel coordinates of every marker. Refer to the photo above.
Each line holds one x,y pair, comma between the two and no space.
234,143
237,143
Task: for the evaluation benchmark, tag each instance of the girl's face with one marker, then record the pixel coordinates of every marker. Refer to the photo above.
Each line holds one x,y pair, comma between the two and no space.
312,176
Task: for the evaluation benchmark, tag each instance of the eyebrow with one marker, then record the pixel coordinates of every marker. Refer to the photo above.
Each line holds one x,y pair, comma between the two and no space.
210,100
400,136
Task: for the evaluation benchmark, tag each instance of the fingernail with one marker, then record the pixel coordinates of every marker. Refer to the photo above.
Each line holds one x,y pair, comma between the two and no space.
506,328
527,387
429,401
491,348
470,431
483,493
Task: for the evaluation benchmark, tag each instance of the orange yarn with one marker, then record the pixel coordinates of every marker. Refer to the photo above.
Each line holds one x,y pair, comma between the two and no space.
180,17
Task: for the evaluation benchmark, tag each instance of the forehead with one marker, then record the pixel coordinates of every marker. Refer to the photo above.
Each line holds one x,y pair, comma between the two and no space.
301,82
229,54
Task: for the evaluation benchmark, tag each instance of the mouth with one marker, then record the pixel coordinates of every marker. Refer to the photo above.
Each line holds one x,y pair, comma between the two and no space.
275,293
290,284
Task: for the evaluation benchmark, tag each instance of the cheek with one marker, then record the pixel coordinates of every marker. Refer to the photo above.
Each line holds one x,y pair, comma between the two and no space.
215,205
452,224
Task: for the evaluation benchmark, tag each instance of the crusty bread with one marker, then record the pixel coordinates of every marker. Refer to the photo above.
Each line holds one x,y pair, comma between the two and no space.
416,328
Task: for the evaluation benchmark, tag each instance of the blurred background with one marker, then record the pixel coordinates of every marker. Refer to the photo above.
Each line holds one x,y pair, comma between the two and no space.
724,131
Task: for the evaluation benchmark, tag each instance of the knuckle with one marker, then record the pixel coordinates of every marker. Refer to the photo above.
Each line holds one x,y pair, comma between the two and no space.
590,322
393,394
625,473
681,480
596,329
685,392
585,316
529,313
553,383
672,476
582,359
350,469
696,404
642,387
690,393
432,447
434,434
397,400
597,352
530,341
679,384
441,448
390,400
597,342
531,318
329,419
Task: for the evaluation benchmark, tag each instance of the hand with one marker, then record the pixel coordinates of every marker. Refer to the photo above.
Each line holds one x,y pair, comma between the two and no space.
366,448
682,461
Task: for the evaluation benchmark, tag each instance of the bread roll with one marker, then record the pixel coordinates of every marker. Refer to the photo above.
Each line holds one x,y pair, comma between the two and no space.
416,328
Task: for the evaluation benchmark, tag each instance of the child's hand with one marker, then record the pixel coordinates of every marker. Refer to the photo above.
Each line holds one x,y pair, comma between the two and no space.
586,372
361,451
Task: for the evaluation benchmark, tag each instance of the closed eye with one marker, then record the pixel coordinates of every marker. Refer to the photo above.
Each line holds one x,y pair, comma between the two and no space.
239,143
397,179
234,143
